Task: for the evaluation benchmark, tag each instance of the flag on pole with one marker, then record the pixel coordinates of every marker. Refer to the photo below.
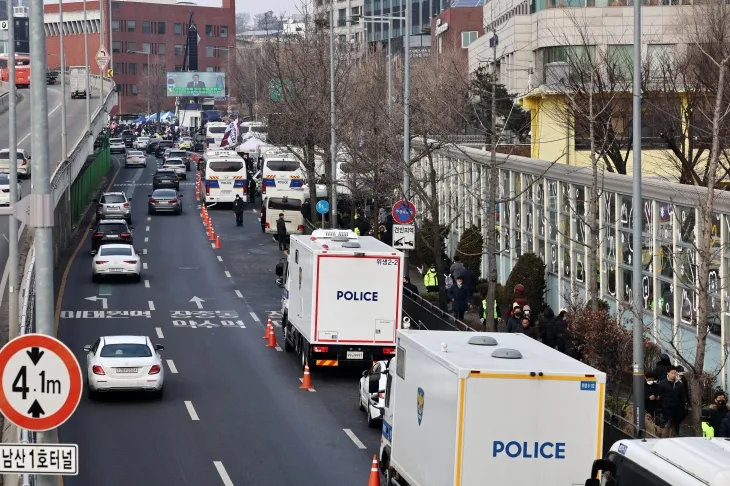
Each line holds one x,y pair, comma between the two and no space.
230,136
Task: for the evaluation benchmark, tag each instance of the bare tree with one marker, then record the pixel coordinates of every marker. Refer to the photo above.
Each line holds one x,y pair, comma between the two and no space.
243,22
153,85
245,83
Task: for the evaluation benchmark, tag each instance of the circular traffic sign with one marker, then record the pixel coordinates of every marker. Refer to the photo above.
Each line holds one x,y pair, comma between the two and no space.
404,212
323,207
41,382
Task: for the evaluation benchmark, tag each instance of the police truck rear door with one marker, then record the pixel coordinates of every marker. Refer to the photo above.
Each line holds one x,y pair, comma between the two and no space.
358,298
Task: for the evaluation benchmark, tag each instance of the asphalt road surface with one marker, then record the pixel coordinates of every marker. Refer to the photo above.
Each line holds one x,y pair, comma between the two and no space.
76,125
233,413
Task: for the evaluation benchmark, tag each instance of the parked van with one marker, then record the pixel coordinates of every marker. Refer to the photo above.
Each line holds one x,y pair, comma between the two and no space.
290,204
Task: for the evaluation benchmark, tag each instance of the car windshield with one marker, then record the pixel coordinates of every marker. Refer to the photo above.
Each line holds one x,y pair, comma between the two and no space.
116,251
112,228
116,140
177,153
284,204
113,199
164,193
4,179
126,350
217,129
134,153
225,166
174,162
6,156
282,165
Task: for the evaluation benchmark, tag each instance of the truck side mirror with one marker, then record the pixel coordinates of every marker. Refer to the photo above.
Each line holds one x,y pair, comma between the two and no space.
280,282
279,269
374,383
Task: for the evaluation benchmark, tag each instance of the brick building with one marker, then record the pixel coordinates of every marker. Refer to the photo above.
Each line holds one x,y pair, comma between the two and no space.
137,29
455,28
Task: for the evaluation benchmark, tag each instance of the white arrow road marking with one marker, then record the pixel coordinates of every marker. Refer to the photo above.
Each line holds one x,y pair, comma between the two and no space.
95,298
198,301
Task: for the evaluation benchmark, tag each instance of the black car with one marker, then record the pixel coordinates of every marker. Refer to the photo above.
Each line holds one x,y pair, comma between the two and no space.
162,146
165,179
111,231
128,138
152,145
198,143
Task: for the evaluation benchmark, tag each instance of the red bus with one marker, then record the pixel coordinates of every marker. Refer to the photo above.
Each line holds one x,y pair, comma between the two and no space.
22,70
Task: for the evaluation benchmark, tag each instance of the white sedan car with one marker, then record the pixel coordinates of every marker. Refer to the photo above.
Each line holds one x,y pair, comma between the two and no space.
5,189
116,260
117,145
135,158
141,143
124,363
178,165
374,403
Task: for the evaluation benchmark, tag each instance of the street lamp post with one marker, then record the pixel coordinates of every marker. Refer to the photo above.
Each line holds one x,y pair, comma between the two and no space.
333,141
148,73
64,141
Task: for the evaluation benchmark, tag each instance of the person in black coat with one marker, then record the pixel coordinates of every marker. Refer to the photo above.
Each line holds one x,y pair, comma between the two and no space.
409,286
562,341
651,395
459,296
547,328
673,399
662,365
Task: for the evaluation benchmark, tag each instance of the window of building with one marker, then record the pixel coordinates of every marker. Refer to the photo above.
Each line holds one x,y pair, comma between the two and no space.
342,17
209,30
160,27
178,29
131,26
116,46
131,46
146,27
355,11
178,68
620,61
115,25
133,89
343,39
117,67
659,57
209,52
132,68
145,68
179,50
146,48
223,31
468,37
209,69
161,49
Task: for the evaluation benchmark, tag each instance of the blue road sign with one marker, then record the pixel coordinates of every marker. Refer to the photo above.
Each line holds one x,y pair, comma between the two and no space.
404,212
323,207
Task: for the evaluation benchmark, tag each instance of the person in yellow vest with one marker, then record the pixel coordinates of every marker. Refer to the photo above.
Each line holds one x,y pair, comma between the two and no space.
430,280
484,311
708,431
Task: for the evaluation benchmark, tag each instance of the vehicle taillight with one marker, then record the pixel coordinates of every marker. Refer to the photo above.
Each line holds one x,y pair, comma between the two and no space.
25,162
388,350
381,395
154,369
320,349
98,235
153,201
100,207
6,190
101,262
97,370
126,235
300,227
268,225
126,205
207,190
131,262
245,188
173,201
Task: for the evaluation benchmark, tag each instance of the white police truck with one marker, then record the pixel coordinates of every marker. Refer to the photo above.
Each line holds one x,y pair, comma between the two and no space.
342,298
470,409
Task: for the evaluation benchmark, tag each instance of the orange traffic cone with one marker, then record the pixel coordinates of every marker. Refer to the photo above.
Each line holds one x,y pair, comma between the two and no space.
211,233
267,329
197,193
306,379
374,473
272,338
217,242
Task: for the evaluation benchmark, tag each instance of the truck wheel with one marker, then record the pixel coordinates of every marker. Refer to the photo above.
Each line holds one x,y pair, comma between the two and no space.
388,477
287,345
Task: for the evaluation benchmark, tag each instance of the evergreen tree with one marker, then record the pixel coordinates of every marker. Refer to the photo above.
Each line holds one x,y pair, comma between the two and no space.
510,116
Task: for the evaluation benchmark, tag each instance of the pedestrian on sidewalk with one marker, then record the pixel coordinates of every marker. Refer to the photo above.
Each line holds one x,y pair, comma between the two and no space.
459,296
281,232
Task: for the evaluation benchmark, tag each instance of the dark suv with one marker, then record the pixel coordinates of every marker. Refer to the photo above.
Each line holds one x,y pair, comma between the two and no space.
152,145
128,138
111,231
165,179
162,146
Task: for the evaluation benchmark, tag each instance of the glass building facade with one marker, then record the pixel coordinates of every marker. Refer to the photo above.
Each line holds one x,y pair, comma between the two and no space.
544,213
421,13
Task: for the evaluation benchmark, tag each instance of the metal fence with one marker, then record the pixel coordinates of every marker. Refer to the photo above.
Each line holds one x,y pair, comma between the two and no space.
27,326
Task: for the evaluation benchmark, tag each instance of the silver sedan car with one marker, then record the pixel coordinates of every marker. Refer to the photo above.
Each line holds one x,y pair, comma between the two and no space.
165,201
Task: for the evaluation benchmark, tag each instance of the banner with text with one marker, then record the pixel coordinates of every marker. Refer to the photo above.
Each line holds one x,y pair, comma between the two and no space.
196,84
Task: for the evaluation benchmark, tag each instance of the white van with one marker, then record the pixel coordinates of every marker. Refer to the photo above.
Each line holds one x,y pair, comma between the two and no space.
224,176
215,131
290,204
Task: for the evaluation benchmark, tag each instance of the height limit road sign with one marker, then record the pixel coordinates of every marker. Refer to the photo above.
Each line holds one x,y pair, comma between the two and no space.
41,382
102,57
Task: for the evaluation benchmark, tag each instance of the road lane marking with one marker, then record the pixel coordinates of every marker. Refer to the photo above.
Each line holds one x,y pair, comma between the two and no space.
49,115
146,239
228,274
212,245
144,251
255,317
278,348
239,294
151,304
67,270
147,283
222,473
158,330
191,410
354,438
144,266
149,218
220,258
171,365
105,290
311,389
146,228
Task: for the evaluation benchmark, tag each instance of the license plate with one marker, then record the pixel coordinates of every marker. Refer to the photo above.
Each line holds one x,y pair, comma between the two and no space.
117,269
126,370
112,235
354,355
225,192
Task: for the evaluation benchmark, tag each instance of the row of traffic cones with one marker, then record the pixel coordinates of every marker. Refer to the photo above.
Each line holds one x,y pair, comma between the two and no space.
209,228
270,336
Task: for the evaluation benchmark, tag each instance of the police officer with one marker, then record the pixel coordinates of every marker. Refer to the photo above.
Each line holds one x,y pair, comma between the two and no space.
708,431
484,311
430,280
238,210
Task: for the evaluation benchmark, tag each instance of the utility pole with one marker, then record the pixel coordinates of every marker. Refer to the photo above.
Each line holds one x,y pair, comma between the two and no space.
64,136
13,256
407,118
88,71
490,188
102,43
333,141
637,204
390,58
41,198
